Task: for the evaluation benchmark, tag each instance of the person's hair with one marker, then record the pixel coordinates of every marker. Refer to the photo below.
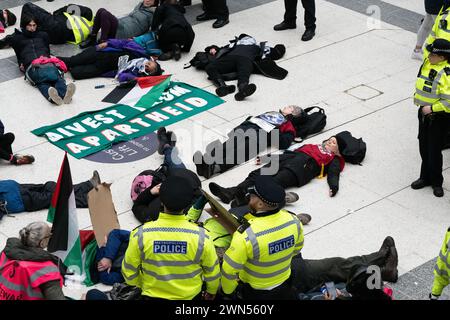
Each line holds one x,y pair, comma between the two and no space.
26,19
10,18
32,234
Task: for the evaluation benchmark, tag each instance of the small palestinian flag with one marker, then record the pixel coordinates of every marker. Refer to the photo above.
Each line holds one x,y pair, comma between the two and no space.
65,239
130,93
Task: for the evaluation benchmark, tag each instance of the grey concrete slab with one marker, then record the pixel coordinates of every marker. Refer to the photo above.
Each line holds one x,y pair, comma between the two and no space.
5,4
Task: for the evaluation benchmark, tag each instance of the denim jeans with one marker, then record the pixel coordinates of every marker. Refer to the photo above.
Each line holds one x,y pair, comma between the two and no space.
171,159
46,77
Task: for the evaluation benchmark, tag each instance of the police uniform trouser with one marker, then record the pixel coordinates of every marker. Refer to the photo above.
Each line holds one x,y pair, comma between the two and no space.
310,274
290,15
228,64
284,291
432,137
216,8
39,196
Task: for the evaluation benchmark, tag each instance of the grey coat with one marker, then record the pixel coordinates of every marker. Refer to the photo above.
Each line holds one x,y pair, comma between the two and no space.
136,23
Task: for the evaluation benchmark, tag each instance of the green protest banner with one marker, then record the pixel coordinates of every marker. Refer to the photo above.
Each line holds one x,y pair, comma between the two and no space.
93,131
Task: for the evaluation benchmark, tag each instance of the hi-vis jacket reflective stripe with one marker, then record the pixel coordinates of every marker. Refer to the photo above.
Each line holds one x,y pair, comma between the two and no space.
442,267
170,258
433,86
80,26
20,280
440,30
261,255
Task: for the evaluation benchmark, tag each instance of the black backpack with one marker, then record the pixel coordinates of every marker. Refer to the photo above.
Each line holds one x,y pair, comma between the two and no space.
201,60
314,122
352,149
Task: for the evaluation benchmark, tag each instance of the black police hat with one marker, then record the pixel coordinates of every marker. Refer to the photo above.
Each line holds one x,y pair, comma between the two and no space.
176,193
268,190
440,47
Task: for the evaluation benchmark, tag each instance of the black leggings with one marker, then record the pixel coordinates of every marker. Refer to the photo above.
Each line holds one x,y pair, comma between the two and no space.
6,141
107,22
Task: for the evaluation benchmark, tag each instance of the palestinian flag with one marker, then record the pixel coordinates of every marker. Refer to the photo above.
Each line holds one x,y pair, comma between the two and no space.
130,93
89,251
65,240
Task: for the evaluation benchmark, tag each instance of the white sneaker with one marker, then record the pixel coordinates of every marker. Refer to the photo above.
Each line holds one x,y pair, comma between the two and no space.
417,55
53,93
69,93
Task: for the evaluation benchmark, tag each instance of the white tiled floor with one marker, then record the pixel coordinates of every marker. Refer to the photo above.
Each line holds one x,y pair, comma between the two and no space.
374,199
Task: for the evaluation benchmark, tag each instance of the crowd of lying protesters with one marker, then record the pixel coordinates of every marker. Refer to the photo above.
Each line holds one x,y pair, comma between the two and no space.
174,254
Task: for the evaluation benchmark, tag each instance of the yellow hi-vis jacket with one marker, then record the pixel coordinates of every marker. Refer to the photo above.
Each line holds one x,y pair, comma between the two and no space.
261,255
442,267
170,258
440,30
80,26
433,86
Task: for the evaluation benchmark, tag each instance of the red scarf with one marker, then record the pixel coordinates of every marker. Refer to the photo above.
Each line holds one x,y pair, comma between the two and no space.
322,156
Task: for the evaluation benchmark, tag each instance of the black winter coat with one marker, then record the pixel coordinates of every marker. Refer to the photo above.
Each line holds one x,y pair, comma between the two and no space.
29,46
147,206
434,6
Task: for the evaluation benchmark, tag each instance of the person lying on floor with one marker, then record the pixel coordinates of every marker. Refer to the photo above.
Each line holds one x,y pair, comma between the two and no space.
295,169
145,187
18,197
239,59
6,153
250,138
103,60
7,18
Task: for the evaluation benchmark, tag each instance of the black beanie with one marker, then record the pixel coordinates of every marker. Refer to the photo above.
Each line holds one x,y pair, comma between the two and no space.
176,193
277,52
341,143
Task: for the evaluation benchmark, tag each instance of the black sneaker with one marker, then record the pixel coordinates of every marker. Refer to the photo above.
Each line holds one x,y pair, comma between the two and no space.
224,90
389,272
163,139
246,91
387,244
224,194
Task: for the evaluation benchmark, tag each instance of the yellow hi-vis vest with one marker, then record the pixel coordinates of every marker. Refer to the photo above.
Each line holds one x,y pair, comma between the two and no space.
440,30
433,86
80,26
442,267
261,255
170,258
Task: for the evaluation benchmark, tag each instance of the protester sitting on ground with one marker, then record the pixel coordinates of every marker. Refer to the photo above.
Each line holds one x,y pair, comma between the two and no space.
175,33
7,18
108,260
28,271
250,138
6,153
146,186
442,269
103,60
136,23
71,23
19,197
171,258
41,69
309,275
238,58
295,169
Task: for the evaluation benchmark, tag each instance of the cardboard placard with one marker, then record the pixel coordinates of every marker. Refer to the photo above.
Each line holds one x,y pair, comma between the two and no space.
102,211
225,218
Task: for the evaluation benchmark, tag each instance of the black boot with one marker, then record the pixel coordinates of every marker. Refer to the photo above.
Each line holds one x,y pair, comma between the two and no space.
176,52
245,90
222,88
224,194
389,272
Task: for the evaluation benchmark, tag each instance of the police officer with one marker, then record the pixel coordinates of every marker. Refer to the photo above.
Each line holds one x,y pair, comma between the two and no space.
215,9
261,250
290,17
441,26
171,257
442,269
433,98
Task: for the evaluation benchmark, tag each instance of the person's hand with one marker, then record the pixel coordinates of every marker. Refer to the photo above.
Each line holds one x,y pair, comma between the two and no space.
104,264
212,212
208,296
426,110
213,51
102,45
155,190
21,67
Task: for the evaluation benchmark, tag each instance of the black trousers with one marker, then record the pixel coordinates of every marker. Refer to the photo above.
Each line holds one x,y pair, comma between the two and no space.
38,196
170,36
216,8
432,137
311,274
231,63
6,141
282,292
290,15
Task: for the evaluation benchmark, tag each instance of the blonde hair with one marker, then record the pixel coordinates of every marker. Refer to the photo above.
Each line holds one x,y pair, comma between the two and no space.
33,234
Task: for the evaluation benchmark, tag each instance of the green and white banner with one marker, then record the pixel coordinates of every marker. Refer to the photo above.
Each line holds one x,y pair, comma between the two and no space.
166,103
